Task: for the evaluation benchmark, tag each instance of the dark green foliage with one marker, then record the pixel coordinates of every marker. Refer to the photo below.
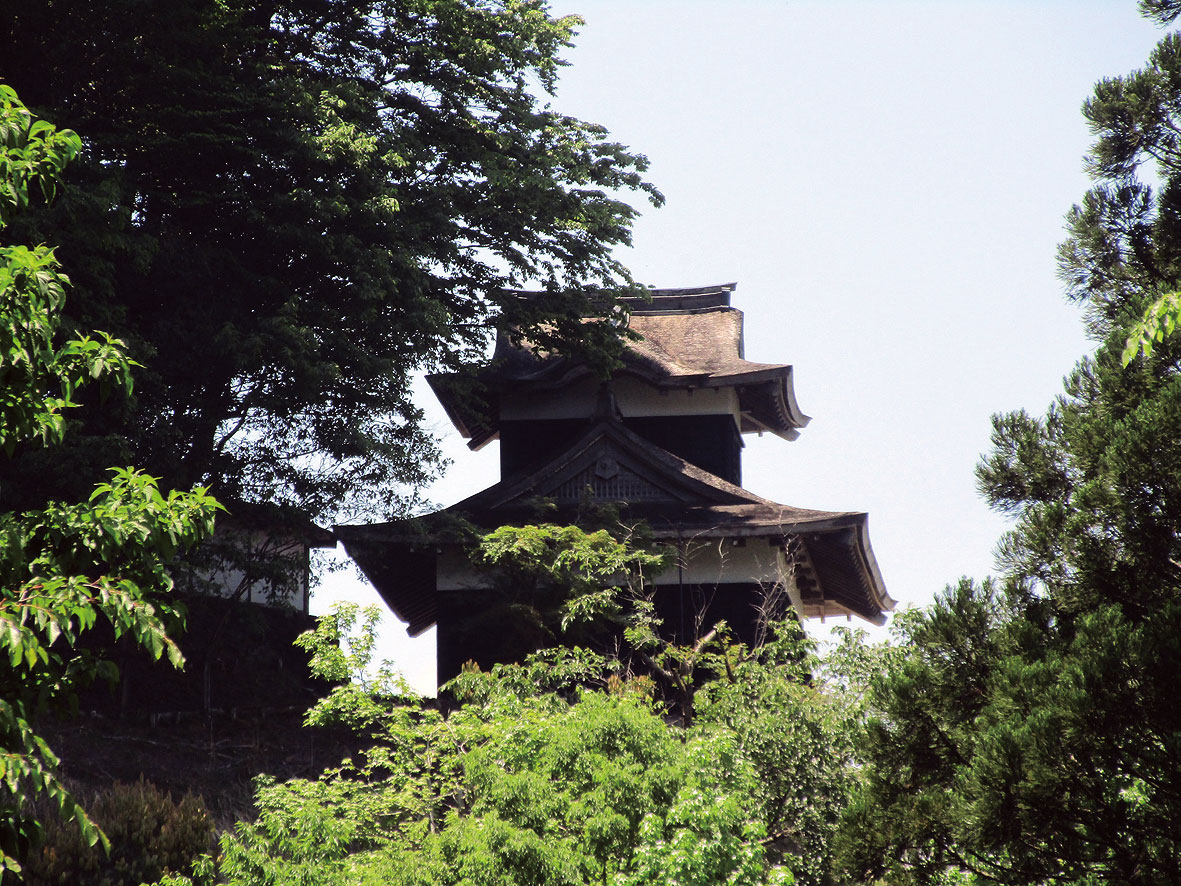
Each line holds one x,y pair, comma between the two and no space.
1164,11
150,835
287,208
1026,732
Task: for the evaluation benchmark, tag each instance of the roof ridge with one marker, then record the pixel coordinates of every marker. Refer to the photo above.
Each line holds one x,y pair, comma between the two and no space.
693,290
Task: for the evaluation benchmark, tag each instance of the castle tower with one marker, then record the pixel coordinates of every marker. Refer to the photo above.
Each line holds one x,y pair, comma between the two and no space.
662,439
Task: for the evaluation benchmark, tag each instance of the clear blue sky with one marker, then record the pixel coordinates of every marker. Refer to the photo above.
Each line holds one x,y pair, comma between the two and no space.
886,182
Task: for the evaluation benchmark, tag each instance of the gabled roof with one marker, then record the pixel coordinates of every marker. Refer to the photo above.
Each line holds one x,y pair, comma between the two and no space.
692,338
619,466
835,568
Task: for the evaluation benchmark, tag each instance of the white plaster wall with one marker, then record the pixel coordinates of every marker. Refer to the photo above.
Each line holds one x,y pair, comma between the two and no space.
703,561
576,401
635,397
718,561
226,582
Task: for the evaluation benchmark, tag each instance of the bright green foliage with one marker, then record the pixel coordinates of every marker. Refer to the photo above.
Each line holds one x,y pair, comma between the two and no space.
706,835
286,209
150,835
64,568
550,584
342,655
513,788
590,566
34,154
1026,731
570,575
38,376
597,589
583,586
565,770
1160,320
795,720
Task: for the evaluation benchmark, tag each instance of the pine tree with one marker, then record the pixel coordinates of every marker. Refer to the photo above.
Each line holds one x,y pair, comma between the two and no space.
1029,733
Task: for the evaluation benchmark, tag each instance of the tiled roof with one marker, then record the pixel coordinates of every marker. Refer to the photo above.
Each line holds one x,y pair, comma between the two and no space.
692,338
837,571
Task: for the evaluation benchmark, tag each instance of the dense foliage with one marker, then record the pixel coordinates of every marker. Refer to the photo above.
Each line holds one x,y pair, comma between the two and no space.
1028,734
287,208
66,567
564,769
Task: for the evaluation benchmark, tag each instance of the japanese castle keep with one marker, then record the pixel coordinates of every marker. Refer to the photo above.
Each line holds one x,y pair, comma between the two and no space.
662,439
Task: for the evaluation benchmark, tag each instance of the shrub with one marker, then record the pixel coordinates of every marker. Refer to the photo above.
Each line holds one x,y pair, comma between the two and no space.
150,836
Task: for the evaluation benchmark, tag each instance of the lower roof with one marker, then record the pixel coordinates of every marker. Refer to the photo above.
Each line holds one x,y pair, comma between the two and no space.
835,569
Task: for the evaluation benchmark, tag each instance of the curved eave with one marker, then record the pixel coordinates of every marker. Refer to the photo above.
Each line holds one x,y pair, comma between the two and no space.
840,576
767,398
462,418
657,301
771,406
400,568
836,571
279,522
885,602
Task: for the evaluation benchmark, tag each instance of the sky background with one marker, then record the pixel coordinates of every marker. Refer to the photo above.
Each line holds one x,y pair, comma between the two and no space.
887,183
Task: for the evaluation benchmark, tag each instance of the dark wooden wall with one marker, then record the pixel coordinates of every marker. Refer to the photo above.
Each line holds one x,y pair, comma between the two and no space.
711,442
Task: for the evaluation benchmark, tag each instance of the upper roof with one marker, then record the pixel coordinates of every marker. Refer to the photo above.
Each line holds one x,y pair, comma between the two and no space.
835,569
691,338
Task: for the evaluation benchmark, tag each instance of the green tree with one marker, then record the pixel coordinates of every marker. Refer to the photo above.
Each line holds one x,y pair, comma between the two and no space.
795,719
567,768
287,208
1026,733
66,567
537,778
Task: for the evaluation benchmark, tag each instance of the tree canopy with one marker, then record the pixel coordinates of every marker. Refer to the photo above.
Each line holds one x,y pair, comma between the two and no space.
288,208
563,769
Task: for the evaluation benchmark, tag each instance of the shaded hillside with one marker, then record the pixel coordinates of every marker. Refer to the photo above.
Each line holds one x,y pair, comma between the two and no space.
215,757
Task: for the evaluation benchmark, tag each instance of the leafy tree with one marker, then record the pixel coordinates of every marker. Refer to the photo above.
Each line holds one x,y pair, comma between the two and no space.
589,588
532,780
796,719
1026,733
554,584
287,208
566,768
66,567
